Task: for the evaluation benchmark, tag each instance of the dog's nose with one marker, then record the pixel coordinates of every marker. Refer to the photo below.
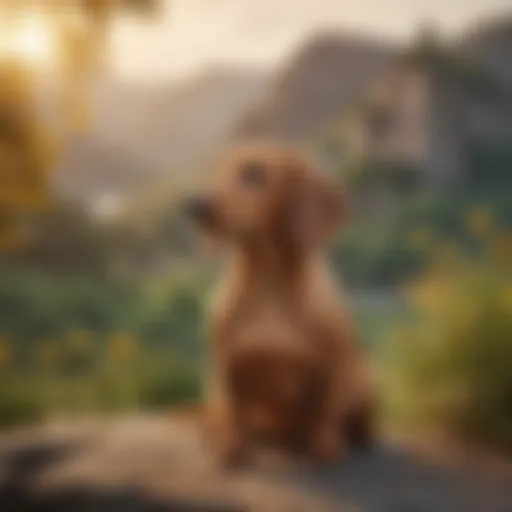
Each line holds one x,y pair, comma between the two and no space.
199,209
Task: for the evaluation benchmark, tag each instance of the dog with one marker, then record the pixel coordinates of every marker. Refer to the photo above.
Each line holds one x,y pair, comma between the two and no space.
285,364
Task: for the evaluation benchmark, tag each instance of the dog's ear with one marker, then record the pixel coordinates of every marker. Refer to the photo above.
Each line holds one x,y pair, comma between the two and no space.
318,209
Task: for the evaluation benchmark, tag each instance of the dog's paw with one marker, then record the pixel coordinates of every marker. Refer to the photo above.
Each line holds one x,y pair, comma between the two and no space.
326,446
360,427
233,452
233,458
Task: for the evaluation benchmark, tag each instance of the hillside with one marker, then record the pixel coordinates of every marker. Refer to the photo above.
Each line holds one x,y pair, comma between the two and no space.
491,44
323,77
146,132
176,126
91,171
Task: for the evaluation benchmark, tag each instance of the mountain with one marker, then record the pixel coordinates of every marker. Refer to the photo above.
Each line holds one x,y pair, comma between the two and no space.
490,42
322,78
443,109
144,133
151,133
94,173
176,126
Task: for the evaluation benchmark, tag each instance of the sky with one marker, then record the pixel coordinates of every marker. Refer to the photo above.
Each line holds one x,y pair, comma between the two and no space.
192,34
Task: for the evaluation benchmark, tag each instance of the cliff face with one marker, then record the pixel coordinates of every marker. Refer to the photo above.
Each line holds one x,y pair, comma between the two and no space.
491,44
435,110
321,79
149,132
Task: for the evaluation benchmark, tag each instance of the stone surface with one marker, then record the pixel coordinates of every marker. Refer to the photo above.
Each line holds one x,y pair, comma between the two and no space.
161,464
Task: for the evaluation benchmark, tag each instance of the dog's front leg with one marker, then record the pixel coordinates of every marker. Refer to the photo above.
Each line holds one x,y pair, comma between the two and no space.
327,439
228,435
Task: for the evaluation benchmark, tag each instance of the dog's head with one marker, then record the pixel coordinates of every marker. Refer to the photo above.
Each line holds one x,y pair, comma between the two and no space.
263,192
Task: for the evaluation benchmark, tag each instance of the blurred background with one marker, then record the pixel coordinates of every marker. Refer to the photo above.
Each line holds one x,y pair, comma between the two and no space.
110,111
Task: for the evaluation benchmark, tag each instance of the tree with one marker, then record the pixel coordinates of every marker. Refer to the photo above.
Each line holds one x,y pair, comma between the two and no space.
25,153
453,67
28,142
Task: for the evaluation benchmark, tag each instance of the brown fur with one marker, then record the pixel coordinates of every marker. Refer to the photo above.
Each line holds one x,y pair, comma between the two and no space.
284,360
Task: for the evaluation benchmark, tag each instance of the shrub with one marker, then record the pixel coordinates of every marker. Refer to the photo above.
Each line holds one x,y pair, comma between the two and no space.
384,251
72,344
393,175
451,367
180,387
168,379
18,404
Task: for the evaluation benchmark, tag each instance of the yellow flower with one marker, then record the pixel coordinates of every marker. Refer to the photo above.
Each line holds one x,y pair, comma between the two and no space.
479,222
5,351
47,353
507,298
80,340
431,294
502,248
446,256
10,241
420,238
121,347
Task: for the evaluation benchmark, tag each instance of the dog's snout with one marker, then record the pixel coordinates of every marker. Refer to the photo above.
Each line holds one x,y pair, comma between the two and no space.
199,209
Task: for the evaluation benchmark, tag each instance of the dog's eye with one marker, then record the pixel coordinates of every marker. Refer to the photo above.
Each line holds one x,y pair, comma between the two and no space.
253,174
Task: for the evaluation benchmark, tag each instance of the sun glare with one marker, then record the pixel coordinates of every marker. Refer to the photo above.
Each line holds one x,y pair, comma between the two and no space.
30,38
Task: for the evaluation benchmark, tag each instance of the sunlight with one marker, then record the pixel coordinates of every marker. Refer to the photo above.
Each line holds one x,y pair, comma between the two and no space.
34,42
31,39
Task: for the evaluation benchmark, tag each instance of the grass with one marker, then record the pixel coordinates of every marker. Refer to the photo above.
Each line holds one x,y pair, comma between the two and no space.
156,379
447,368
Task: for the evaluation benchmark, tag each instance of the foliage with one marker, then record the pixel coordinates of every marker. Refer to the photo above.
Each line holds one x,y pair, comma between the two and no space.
18,404
176,382
397,176
25,151
470,76
449,368
386,250
488,164
79,344
28,141
105,381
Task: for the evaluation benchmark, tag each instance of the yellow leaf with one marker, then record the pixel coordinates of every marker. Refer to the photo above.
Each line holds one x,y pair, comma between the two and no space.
47,353
502,249
121,347
479,222
507,298
5,352
80,340
420,238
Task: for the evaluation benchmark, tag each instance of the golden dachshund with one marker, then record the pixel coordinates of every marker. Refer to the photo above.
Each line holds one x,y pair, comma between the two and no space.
285,363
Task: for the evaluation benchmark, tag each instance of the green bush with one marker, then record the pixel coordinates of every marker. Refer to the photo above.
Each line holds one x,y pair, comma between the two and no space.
385,251
71,344
182,386
450,368
153,378
18,404
397,176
